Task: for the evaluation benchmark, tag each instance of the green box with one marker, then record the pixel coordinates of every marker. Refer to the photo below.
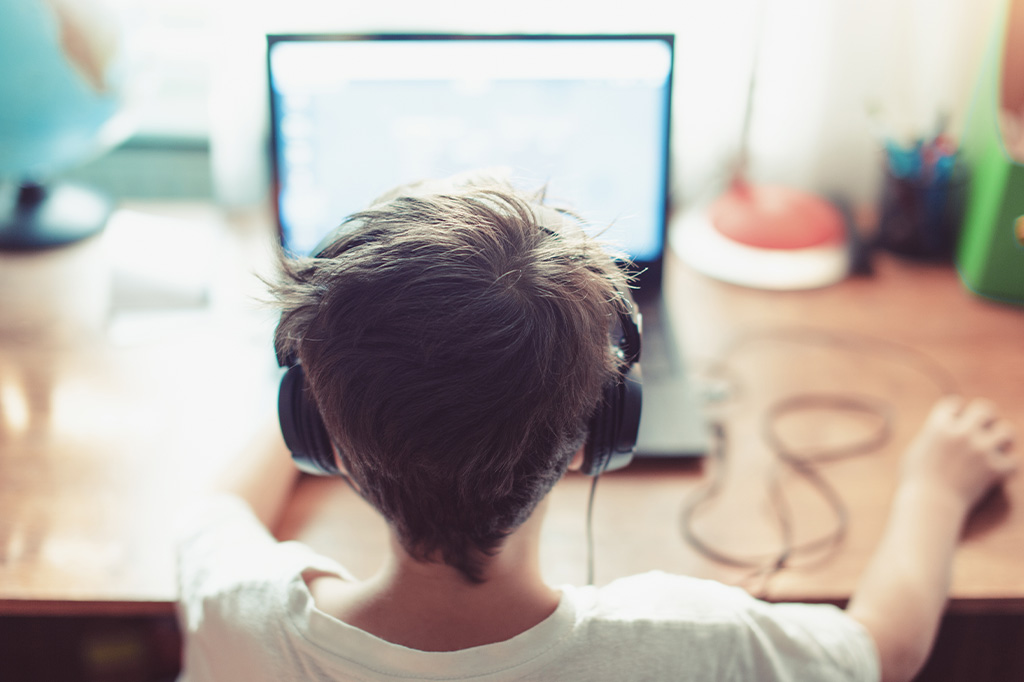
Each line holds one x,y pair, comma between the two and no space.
990,252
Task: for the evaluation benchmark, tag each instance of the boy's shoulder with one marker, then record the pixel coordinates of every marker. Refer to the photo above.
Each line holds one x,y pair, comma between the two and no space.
673,599
716,624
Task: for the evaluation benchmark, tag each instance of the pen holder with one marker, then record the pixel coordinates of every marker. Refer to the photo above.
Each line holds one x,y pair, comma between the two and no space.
920,215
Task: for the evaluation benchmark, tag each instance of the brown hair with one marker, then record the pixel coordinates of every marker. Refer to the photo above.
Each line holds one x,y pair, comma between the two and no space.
456,345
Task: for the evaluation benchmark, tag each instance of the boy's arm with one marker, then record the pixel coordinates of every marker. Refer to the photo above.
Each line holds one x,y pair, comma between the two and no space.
963,450
262,474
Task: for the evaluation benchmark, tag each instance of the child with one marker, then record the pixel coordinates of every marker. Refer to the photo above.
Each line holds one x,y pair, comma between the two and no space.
456,341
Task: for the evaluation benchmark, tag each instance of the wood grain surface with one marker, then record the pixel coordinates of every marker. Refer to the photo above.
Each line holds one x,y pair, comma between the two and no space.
107,424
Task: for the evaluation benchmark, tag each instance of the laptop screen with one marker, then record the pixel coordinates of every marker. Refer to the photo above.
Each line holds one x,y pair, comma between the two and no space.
587,117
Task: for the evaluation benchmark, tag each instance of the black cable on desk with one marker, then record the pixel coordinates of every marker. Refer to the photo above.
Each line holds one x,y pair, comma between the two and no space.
805,463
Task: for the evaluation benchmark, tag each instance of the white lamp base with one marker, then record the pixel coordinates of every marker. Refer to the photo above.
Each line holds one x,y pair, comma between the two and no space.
708,251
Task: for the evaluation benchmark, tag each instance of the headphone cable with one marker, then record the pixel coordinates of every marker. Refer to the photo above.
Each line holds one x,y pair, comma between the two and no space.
590,529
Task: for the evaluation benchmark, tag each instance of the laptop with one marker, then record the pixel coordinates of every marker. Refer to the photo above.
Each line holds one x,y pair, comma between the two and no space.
586,116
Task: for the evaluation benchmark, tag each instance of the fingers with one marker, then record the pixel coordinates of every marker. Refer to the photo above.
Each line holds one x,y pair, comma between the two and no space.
965,448
969,415
948,406
979,422
979,413
999,443
992,435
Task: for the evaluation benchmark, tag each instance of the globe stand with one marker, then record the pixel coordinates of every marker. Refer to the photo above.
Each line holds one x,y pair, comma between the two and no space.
44,217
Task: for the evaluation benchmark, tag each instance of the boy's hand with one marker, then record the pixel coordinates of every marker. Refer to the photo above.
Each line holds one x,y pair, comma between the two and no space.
963,449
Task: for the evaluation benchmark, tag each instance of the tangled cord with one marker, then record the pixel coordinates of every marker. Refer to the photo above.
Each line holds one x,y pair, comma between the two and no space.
805,463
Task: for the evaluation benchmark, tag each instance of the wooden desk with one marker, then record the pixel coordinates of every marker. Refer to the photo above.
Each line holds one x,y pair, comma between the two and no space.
637,517
101,439
110,416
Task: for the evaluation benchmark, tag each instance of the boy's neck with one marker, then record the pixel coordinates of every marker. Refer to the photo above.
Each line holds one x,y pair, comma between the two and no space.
432,607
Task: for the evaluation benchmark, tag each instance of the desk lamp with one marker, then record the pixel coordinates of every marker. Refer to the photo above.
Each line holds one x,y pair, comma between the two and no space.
763,236
768,237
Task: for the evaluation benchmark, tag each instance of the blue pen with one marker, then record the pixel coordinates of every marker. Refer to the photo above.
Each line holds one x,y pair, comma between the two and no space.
943,168
904,162
937,232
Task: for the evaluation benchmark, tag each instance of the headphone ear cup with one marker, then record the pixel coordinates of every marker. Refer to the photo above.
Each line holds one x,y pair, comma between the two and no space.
615,425
303,427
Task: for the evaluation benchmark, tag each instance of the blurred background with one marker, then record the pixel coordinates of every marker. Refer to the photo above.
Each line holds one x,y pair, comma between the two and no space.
200,102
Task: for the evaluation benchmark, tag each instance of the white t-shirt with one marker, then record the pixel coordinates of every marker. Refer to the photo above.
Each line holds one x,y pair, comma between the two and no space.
247,615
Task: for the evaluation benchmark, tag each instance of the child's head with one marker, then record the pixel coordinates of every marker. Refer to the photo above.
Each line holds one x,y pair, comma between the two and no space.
456,344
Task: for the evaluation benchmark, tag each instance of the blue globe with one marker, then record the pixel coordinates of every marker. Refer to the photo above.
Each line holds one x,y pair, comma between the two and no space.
60,85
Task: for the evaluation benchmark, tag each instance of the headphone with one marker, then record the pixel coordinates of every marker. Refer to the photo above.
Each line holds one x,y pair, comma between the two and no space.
612,430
